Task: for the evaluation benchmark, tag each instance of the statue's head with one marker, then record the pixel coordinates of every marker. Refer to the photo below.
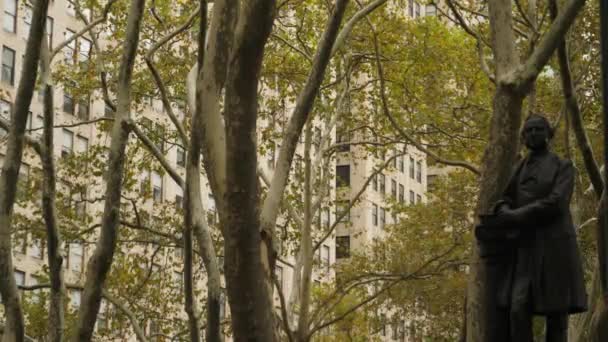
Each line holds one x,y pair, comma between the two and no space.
537,132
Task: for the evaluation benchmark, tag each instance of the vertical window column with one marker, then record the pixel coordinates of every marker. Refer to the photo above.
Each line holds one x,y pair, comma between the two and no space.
8,65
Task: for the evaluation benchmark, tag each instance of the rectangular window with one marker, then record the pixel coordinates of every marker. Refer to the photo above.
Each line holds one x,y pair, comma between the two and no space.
342,138
75,297
20,278
401,193
419,172
278,273
343,207
67,144
84,49
375,214
410,7
70,50
342,247
417,9
157,187
394,188
382,217
179,197
83,109
381,183
8,65
27,22
181,157
325,262
401,164
412,166
412,197
375,182
6,110
325,219
71,8
49,31
342,176
75,256
82,144
9,22
37,248
68,102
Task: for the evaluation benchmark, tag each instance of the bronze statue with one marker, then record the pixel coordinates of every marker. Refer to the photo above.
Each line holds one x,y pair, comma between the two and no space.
529,242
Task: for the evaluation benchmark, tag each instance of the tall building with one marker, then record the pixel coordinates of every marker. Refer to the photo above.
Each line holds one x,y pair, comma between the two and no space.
404,180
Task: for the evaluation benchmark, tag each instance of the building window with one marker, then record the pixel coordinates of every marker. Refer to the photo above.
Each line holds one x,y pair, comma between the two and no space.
83,109
401,193
71,8
278,273
68,102
382,183
75,297
325,262
181,157
412,166
49,30
375,181
37,248
82,144
84,50
342,176
394,188
27,22
10,16
401,164
382,217
410,7
343,207
75,256
419,172
342,138
69,51
8,65
179,197
342,247
67,145
325,219
20,278
157,187
375,214
418,198
430,10
417,10
6,109
412,197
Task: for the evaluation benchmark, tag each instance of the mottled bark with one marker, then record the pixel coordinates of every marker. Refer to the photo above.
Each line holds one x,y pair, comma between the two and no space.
247,280
101,261
306,242
14,326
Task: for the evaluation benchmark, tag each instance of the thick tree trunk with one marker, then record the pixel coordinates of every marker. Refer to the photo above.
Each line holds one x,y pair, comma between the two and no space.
247,278
14,327
504,128
101,261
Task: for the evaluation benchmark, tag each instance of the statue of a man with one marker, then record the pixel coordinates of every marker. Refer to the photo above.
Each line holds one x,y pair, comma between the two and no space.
542,267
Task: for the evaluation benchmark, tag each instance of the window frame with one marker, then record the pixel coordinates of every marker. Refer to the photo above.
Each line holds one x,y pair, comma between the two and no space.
11,67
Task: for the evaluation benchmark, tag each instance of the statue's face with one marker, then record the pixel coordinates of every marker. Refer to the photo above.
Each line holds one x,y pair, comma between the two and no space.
536,134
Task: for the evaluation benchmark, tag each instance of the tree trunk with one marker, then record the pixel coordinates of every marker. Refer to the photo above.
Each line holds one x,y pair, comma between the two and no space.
14,328
101,261
247,278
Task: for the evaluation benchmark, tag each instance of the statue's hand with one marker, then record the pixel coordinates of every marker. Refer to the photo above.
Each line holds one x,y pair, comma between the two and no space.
510,216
